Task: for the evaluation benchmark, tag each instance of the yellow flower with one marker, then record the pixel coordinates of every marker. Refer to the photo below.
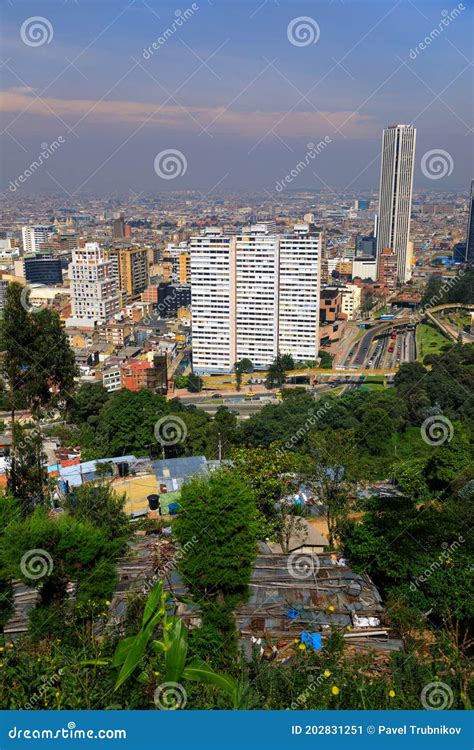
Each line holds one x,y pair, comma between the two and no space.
327,673
302,647
335,690
331,608
107,603
2,648
296,640
156,674
391,693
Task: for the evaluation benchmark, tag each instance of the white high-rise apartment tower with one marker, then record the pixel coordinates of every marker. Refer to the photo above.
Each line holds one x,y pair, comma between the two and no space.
254,295
34,236
396,187
94,297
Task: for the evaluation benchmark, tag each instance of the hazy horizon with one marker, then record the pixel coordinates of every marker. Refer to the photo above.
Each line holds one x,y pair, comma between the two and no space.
237,91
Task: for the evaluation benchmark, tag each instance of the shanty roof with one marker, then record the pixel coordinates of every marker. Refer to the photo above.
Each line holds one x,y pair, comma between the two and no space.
175,471
296,593
86,472
305,535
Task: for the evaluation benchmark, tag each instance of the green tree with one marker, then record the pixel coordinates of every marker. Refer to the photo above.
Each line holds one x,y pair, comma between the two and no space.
334,459
194,383
326,359
271,473
26,473
276,373
85,404
240,367
217,526
97,503
47,552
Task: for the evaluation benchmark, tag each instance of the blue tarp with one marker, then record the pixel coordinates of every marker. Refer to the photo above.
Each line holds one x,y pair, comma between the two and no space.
312,640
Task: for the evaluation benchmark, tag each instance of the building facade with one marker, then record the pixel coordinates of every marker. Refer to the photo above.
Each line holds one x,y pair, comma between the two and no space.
94,297
254,295
364,268
388,268
396,188
43,269
129,268
34,237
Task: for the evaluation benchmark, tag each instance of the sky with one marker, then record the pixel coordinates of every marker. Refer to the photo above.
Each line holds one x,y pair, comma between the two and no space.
219,95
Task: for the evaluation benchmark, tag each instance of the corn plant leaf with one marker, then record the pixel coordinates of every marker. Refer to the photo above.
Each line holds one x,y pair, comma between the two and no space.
122,650
154,599
158,646
199,671
133,657
175,658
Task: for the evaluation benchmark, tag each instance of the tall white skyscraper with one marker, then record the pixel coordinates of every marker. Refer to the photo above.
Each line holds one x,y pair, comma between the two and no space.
94,297
396,187
254,295
35,236
213,301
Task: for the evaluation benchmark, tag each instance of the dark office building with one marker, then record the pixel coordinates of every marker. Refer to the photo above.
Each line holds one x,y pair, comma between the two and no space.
366,245
43,269
171,297
470,229
459,252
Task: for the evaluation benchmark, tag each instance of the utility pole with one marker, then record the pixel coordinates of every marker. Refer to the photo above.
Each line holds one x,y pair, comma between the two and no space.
219,444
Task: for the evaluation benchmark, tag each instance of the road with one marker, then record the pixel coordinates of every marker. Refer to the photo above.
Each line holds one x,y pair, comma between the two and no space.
372,351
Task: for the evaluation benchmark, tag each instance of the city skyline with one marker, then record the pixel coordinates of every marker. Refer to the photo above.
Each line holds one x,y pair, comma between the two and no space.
243,105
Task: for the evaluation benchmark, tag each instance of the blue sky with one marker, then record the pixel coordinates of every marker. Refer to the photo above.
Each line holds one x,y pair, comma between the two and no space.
228,87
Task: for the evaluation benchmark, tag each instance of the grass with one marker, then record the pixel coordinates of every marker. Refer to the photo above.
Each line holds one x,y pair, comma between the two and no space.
374,386
429,341
385,310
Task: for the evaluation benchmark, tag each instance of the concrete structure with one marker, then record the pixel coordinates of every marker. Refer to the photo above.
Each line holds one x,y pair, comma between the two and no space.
129,268
366,245
350,300
94,297
364,267
43,269
254,295
396,187
34,237
387,268
3,293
